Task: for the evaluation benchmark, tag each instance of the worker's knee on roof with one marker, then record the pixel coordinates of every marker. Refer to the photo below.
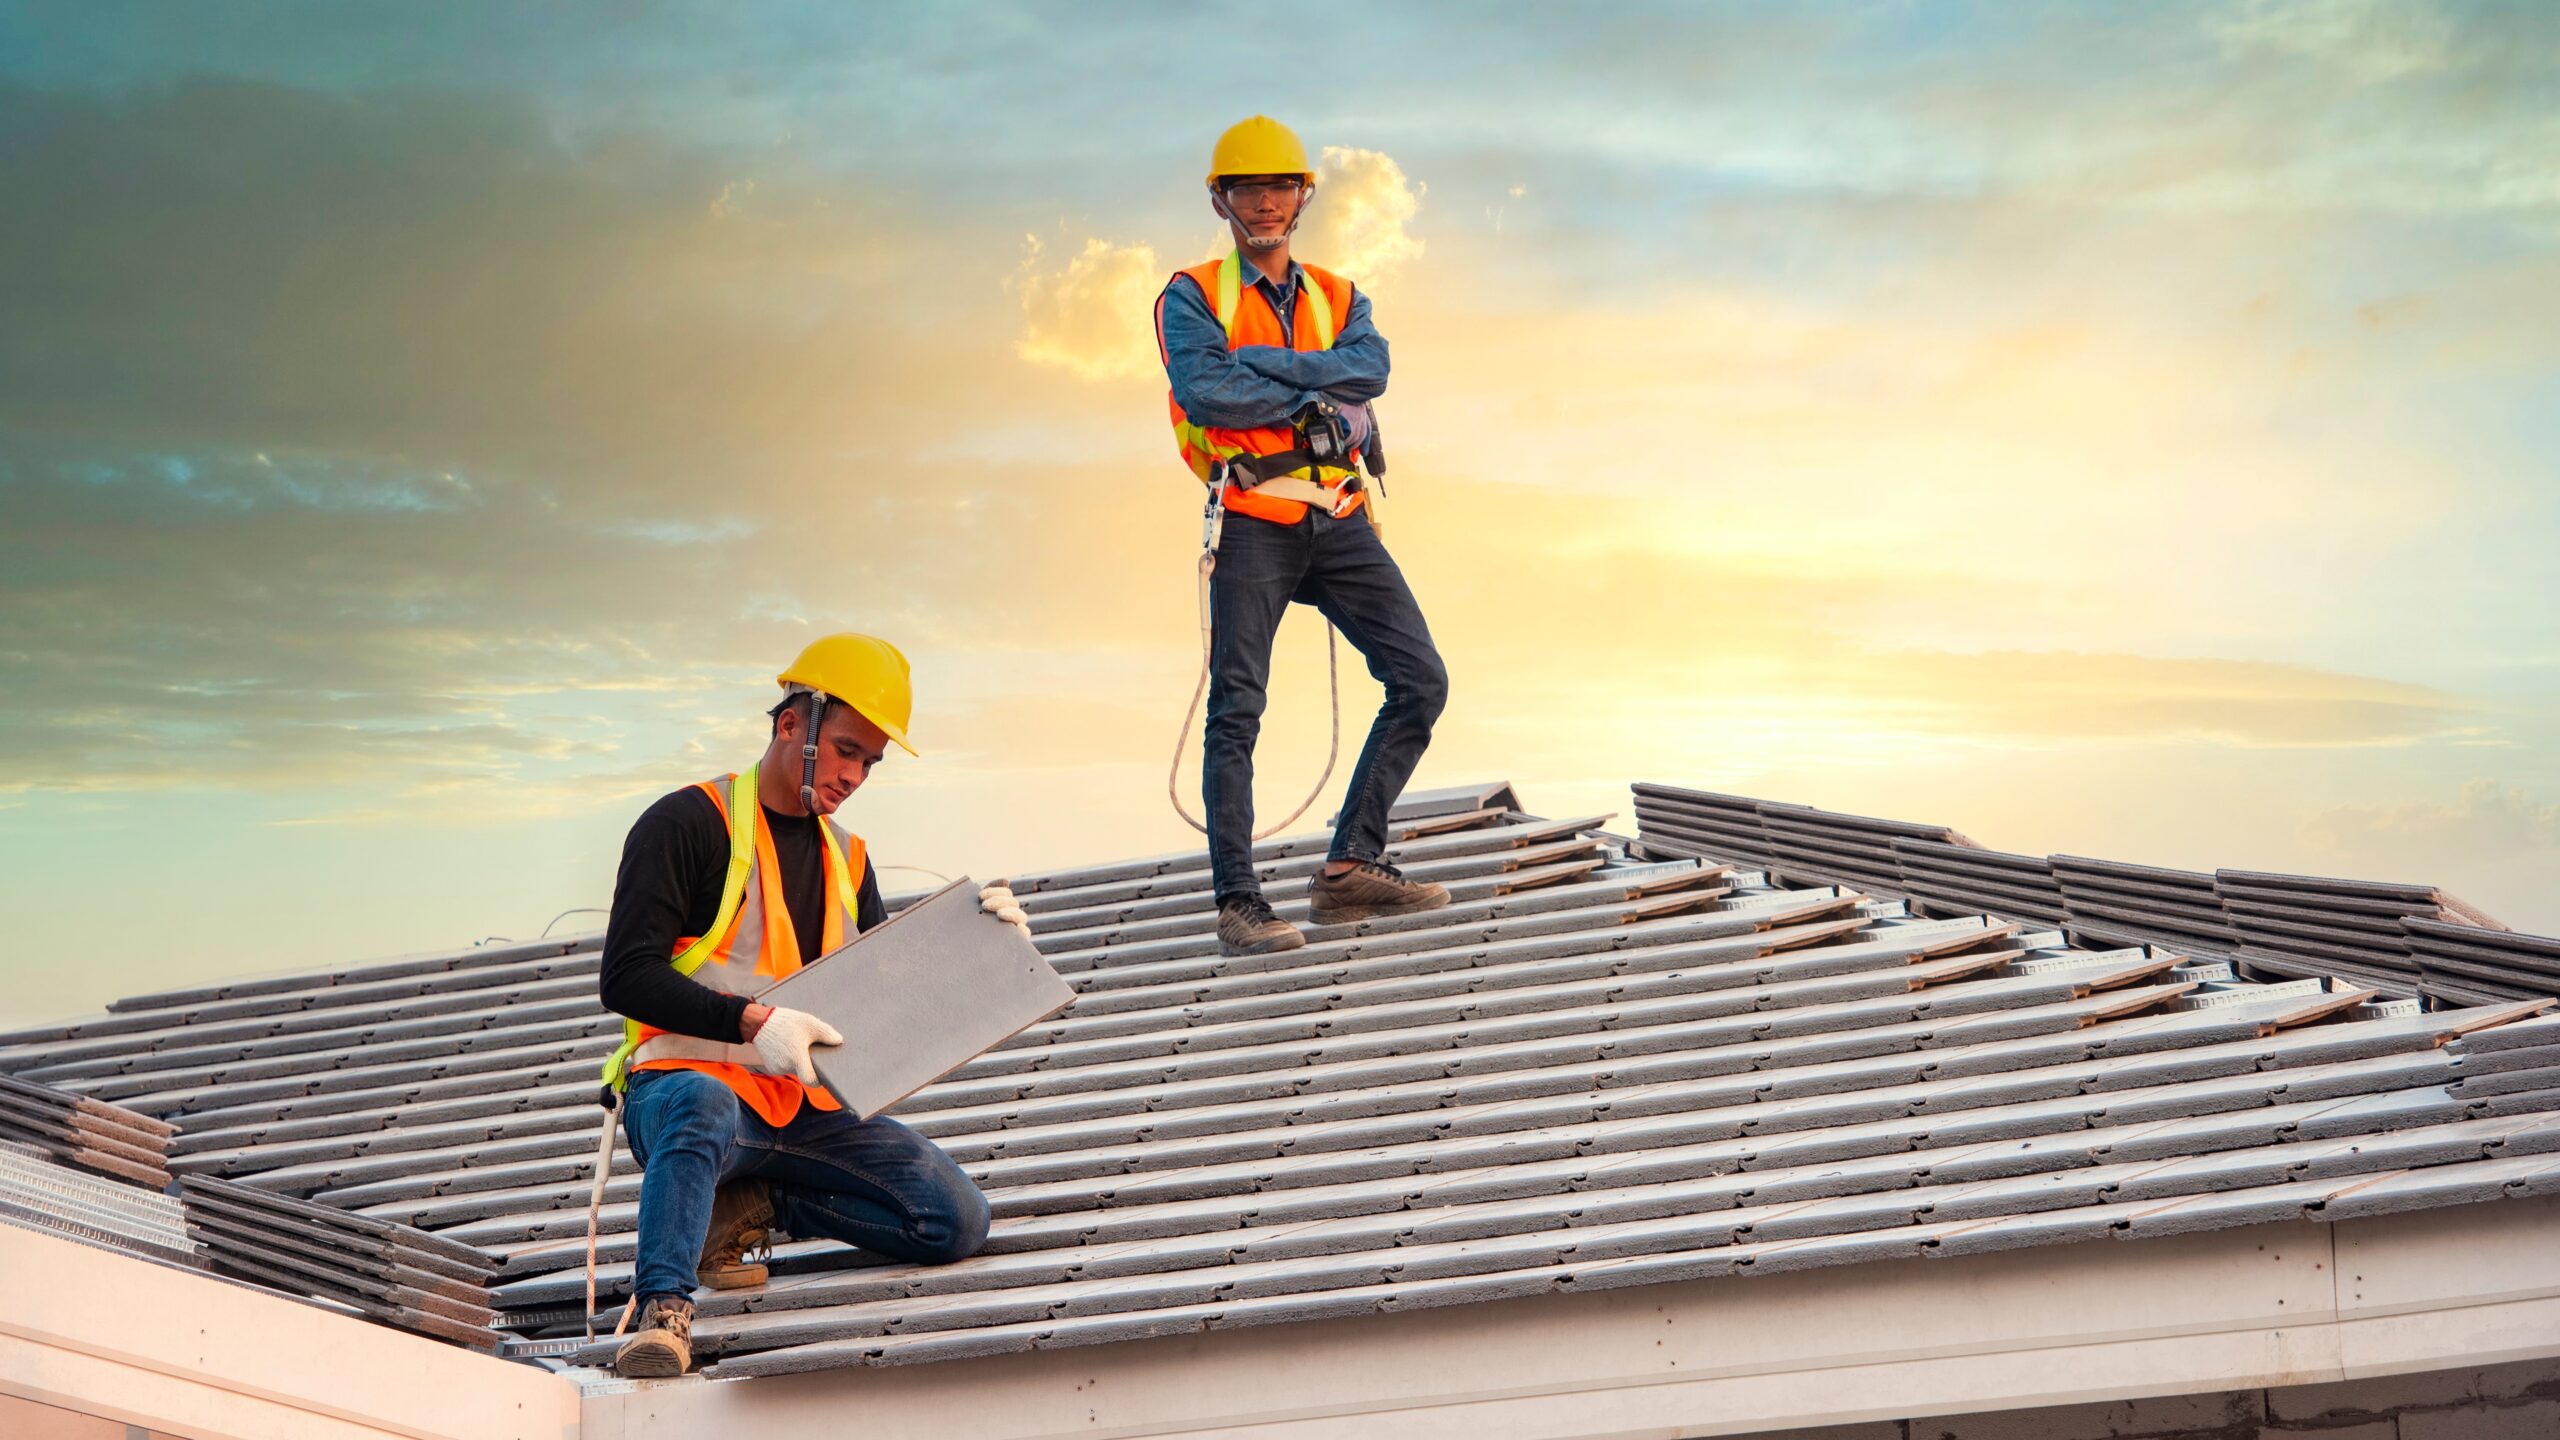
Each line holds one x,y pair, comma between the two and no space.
957,1232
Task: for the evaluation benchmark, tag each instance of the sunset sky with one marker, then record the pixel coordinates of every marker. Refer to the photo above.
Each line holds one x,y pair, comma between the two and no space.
424,430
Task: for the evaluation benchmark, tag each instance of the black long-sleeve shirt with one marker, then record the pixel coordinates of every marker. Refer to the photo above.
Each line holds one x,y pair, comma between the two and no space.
674,865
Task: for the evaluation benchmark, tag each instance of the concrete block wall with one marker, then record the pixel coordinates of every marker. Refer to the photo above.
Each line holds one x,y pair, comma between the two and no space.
2518,1401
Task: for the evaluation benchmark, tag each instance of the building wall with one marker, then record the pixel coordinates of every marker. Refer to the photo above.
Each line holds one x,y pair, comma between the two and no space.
2496,1402
27,1420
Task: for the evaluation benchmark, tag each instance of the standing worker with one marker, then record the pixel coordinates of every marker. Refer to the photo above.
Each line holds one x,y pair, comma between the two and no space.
1272,366
725,888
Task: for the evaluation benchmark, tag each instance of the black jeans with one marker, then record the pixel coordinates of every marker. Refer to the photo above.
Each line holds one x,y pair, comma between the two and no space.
1341,568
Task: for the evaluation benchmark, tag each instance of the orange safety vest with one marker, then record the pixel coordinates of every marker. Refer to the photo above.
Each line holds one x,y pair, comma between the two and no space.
1246,313
750,945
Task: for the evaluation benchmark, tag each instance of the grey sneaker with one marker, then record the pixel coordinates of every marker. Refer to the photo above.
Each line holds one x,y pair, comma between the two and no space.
741,1223
1369,889
1246,926
662,1348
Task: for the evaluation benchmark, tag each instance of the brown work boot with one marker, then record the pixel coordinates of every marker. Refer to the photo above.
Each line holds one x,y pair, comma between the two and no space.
1246,926
1368,889
741,1222
662,1348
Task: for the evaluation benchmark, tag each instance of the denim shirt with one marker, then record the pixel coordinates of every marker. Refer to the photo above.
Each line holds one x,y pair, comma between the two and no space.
1265,384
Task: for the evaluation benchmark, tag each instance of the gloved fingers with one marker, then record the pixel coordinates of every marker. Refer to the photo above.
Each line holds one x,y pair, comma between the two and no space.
808,1070
995,897
1012,915
822,1033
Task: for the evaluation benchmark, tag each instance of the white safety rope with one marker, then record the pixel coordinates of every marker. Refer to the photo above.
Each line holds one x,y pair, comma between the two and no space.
1215,526
595,1205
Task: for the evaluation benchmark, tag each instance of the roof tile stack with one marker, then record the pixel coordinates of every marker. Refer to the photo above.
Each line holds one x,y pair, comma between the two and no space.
2120,904
1952,876
2309,925
390,1272
1832,848
2475,965
2399,940
1692,823
85,1132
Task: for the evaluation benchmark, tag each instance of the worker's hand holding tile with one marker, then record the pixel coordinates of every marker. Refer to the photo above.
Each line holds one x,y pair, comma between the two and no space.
998,900
785,1038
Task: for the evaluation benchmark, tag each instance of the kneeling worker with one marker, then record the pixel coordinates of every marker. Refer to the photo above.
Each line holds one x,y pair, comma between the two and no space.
726,887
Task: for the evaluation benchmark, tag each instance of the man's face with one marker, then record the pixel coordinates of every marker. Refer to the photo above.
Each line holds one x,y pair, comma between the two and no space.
1264,205
848,746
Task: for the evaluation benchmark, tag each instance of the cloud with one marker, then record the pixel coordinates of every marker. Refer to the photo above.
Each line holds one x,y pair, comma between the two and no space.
1363,212
2063,697
2488,821
1094,318
409,445
440,277
297,621
2369,40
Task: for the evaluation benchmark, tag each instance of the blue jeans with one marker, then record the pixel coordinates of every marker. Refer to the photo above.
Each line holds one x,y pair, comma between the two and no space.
1343,569
871,1183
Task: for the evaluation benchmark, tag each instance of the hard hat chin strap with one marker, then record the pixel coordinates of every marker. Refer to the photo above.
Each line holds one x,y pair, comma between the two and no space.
809,751
1306,197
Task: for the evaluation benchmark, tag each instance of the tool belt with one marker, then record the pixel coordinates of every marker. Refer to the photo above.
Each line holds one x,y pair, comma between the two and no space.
1282,476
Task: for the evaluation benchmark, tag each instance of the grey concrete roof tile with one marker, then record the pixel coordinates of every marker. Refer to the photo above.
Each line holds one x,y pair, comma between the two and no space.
259,1064
359,1073
1571,886
440,962
528,1099
315,1031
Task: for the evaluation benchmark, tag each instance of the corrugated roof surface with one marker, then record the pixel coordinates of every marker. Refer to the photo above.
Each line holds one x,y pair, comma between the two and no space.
39,1192
1595,1068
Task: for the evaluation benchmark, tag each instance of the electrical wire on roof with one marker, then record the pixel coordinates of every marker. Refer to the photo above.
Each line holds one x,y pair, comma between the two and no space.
917,870
565,914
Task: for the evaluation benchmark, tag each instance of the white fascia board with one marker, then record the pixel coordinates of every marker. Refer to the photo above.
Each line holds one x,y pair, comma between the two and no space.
2267,1305
174,1350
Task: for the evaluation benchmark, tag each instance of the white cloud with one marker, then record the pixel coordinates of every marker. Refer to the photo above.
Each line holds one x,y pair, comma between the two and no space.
1363,211
1093,319
2486,822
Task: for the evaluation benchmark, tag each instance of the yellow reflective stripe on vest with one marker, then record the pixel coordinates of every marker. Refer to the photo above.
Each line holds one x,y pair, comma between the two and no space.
1322,305
743,801
840,870
743,804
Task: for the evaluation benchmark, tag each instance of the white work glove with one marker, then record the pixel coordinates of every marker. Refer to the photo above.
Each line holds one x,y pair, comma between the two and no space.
784,1040
997,900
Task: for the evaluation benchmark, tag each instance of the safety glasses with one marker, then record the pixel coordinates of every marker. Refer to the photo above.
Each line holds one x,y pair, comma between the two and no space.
1254,192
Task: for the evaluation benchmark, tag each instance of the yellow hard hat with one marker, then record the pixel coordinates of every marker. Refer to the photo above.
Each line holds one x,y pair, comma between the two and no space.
865,672
1259,146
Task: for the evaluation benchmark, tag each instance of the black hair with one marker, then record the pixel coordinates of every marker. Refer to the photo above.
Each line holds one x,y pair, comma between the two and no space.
797,704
